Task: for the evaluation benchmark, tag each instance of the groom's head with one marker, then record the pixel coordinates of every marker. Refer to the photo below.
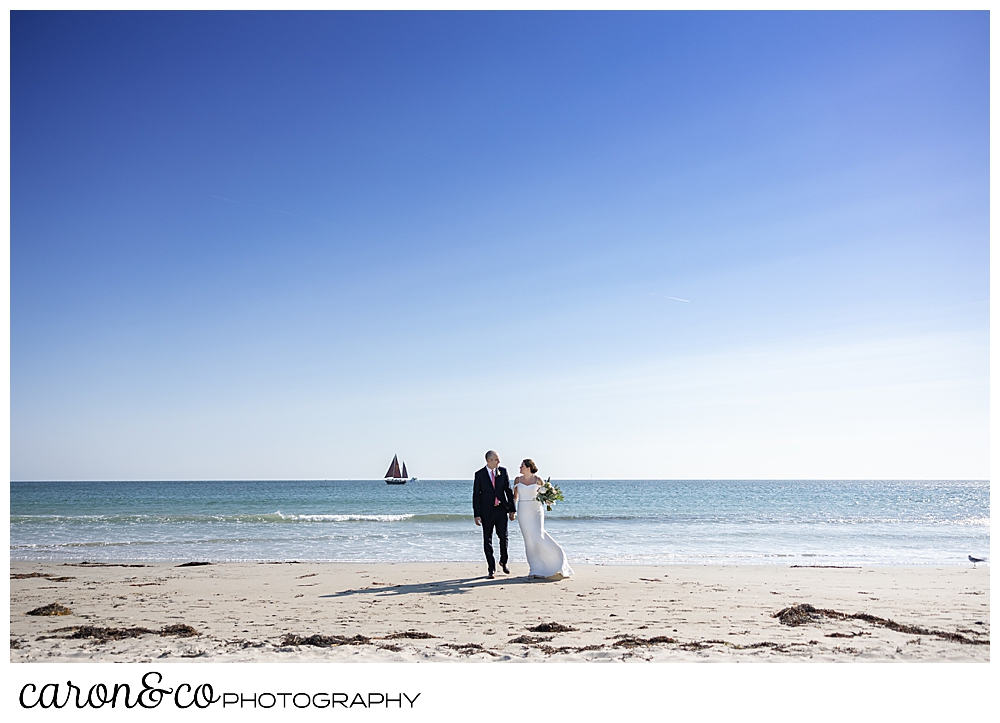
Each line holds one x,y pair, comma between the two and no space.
492,459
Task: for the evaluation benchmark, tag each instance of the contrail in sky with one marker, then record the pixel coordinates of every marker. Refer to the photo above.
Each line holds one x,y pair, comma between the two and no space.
686,301
268,208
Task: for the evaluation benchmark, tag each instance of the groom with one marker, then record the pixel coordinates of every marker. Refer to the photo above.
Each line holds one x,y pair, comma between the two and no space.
492,504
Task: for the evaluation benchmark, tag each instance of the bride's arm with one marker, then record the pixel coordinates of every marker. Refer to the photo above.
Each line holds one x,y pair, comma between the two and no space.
515,489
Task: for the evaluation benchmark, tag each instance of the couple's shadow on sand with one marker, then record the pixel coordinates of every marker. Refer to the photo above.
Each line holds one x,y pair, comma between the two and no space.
457,586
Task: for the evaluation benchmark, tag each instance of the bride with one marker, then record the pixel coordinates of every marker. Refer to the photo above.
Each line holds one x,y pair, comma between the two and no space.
545,557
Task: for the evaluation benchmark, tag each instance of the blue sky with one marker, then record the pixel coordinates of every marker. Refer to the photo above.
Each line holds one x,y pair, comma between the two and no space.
291,245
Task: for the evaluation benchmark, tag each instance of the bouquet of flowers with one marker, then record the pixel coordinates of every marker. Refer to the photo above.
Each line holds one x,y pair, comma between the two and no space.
548,494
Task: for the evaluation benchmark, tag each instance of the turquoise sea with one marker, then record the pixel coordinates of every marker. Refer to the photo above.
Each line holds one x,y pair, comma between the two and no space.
602,521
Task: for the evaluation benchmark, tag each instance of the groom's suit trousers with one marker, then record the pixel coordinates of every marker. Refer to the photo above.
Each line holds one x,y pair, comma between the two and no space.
495,519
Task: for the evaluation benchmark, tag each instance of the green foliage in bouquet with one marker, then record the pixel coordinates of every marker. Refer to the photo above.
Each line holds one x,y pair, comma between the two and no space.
548,494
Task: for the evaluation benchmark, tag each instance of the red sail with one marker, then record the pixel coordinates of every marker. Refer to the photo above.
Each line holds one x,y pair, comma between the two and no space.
404,475
393,469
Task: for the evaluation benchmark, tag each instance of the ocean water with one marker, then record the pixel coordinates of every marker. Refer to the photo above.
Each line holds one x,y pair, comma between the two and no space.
601,521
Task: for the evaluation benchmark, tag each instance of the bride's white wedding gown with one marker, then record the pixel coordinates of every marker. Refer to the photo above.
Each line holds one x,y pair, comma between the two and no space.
545,557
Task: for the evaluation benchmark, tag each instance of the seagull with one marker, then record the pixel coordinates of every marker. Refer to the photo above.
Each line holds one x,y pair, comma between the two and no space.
974,560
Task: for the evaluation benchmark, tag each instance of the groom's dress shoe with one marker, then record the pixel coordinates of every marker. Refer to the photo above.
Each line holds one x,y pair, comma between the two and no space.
491,575
506,569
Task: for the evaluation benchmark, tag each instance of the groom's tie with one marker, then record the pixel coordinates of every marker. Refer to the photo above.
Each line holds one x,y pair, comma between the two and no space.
493,479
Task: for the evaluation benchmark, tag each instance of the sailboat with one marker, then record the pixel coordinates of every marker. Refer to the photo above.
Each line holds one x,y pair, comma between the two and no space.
396,476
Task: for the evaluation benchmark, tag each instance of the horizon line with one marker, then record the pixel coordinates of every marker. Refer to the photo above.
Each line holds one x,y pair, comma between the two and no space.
561,479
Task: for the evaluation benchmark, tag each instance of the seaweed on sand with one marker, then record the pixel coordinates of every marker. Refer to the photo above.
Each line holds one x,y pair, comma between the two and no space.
410,635
470,649
102,634
324,641
50,610
805,613
631,641
45,575
529,640
551,628
180,630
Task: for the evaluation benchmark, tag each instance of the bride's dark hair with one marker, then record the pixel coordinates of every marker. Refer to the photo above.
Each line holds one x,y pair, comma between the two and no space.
530,464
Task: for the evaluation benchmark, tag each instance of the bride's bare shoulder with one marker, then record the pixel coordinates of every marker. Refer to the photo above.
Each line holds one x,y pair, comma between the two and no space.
518,479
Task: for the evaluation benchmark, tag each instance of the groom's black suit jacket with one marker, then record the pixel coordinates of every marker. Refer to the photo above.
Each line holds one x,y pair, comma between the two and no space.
484,495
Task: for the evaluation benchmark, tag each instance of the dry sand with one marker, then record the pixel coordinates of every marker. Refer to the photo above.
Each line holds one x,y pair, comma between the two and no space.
269,612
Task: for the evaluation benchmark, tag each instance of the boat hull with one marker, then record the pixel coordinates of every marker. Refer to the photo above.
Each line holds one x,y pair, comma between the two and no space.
390,481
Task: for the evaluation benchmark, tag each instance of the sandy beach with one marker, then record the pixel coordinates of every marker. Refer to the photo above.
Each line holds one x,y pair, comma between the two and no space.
313,612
